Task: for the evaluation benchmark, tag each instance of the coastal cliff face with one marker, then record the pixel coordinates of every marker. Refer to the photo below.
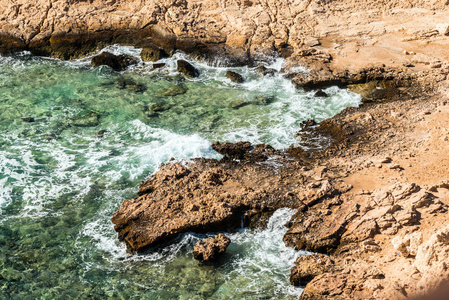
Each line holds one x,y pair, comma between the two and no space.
353,33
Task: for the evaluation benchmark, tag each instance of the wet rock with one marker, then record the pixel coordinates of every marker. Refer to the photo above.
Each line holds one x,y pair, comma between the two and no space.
28,119
232,150
266,71
178,199
234,77
308,267
210,249
308,123
153,53
116,62
187,69
320,93
158,65
375,90
298,152
90,119
174,90
257,218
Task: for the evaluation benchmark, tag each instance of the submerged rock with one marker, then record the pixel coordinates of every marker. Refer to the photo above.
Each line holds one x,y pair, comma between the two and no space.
262,100
90,119
129,83
116,62
28,119
174,90
234,77
236,104
210,249
187,69
156,108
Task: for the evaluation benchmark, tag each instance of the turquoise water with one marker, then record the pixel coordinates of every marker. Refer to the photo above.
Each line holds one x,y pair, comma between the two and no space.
75,141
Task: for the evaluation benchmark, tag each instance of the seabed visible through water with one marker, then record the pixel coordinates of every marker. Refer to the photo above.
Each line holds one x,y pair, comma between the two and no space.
77,140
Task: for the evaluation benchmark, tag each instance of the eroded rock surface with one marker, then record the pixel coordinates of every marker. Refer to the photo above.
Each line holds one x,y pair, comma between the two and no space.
203,196
308,267
211,248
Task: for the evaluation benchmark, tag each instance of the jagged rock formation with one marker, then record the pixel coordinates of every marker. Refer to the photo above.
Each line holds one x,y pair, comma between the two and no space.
210,249
327,36
385,235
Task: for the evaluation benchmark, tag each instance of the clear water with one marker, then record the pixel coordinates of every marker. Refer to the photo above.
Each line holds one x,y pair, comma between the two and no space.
90,145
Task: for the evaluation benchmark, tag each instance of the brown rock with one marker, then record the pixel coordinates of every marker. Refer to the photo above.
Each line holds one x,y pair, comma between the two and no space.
266,71
320,93
308,267
211,248
232,150
320,230
177,200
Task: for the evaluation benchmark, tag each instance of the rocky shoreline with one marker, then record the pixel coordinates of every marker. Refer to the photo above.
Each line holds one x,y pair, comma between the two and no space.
374,204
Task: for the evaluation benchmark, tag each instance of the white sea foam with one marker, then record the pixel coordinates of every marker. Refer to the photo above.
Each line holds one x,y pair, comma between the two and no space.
78,169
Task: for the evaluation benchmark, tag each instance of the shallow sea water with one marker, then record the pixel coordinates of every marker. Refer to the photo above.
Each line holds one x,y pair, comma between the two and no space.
75,141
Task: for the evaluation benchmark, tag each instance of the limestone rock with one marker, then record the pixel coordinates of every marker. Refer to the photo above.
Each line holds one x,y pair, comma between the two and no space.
308,267
408,244
433,254
211,248
320,230
443,29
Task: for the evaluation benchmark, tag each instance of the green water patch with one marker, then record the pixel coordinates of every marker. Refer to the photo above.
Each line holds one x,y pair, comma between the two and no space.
77,140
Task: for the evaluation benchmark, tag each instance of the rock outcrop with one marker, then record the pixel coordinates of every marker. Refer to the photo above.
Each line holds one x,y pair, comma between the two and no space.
327,37
210,249
205,196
